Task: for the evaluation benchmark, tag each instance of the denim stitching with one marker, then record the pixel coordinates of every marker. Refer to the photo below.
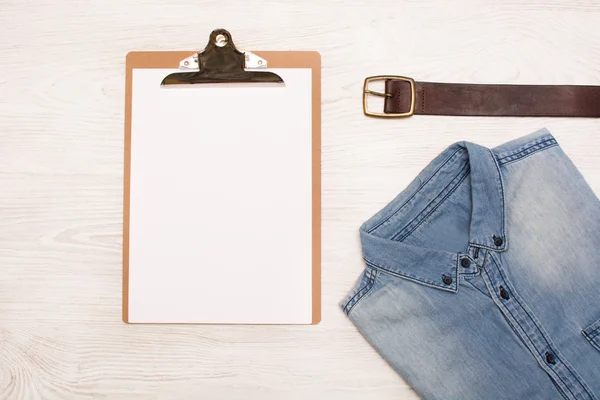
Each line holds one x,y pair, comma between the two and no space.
525,333
416,191
517,297
527,152
368,287
557,386
483,246
503,200
456,273
412,278
423,218
350,304
595,326
375,275
539,328
530,154
594,333
592,342
523,149
594,336
537,324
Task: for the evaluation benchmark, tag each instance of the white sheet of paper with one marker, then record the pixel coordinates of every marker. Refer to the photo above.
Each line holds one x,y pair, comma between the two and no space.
221,201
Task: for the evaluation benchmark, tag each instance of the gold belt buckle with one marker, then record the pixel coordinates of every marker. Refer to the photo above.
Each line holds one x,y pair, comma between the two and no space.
367,92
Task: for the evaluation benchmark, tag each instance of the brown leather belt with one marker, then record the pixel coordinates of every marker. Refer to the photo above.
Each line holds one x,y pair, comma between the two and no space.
405,97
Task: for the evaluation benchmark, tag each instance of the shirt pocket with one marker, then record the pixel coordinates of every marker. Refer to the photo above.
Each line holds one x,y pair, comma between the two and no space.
592,334
361,288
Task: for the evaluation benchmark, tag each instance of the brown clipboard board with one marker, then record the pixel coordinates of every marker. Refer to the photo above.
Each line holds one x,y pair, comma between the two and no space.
276,59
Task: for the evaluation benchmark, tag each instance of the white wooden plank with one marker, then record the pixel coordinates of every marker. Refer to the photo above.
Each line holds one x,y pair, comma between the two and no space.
62,69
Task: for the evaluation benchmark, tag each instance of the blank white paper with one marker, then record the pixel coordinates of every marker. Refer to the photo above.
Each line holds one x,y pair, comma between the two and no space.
221,201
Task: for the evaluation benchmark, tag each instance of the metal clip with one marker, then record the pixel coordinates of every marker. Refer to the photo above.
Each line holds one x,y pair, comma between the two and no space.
251,61
190,63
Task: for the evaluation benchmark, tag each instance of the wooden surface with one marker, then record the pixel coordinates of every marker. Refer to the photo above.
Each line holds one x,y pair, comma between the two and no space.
61,171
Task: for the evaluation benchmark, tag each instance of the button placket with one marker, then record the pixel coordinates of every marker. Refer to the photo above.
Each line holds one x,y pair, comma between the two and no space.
530,330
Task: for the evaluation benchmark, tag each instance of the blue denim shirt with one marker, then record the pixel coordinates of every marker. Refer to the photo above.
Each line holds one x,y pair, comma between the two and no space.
482,278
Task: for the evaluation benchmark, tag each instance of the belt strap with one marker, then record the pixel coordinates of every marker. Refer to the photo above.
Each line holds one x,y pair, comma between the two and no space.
405,97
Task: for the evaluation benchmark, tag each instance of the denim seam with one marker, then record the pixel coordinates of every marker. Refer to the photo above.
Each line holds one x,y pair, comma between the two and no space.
548,341
513,326
595,333
592,334
456,273
503,228
595,326
366,289
591,340
482,246
545,335
350,304
503,199
524,333
518,153
446,161
530,154
423,218
526,147
411,278
479,290
560,389
525,155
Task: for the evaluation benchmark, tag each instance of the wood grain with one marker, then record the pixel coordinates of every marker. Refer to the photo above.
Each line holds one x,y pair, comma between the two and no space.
62,65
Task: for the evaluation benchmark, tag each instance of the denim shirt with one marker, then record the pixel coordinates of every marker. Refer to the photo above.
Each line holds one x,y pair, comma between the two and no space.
482,277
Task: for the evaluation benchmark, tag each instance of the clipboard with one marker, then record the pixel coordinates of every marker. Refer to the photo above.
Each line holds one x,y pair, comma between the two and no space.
151,272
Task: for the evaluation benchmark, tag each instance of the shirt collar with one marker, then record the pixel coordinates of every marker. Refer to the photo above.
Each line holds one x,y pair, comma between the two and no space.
488,215
429,266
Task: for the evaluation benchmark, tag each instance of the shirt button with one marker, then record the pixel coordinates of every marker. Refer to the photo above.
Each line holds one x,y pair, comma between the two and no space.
465,262
550,358
447,279
498,241
504,293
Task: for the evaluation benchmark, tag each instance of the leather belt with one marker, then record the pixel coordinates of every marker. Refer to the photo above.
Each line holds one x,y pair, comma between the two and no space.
405,97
